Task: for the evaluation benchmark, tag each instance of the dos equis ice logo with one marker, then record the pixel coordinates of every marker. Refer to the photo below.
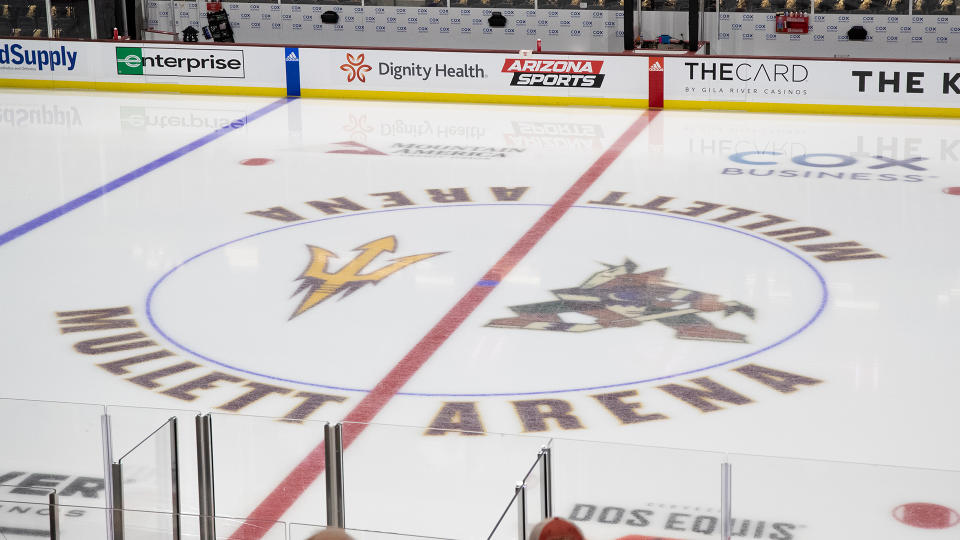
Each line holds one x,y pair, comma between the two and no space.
355,68
574,73
178,62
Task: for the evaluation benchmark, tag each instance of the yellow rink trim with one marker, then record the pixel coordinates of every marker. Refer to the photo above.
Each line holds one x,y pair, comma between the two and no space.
145,87
810,108
475,98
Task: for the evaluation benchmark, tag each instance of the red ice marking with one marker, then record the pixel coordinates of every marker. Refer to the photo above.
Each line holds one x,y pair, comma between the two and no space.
256,161
307,471
955,190
926,515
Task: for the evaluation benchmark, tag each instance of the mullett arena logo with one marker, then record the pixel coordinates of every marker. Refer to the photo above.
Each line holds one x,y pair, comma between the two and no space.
564,73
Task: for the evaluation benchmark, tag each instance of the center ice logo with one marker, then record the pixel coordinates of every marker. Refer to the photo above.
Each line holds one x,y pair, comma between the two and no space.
618,297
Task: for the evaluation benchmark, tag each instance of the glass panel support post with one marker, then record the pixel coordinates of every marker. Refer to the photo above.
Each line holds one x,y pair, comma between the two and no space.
54,511
726,495
521,496
117,504
106,439
49,19
333,457
546,483
175,476
92,11
205,481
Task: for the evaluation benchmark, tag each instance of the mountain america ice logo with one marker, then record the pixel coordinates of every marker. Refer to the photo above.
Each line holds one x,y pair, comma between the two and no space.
619,297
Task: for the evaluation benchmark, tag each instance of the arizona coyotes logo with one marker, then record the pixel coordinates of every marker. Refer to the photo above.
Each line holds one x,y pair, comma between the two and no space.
321,284
617,297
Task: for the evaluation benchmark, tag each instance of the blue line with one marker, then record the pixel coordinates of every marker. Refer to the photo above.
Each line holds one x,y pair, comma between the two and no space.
487,283
825,295
118,183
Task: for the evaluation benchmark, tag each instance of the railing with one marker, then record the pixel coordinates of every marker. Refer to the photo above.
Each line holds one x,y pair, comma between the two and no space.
90,471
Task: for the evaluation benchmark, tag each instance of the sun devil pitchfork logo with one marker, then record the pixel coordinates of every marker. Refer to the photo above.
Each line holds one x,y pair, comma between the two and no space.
321,284
355,68
619,297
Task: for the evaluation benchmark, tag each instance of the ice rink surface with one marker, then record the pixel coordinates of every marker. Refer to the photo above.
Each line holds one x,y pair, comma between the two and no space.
732,283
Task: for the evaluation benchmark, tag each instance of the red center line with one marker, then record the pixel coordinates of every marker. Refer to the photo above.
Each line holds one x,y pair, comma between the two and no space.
311,467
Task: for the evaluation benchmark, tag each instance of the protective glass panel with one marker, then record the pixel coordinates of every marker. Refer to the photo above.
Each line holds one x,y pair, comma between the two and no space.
149,472
842,500
506,526
58,446
70,18
430,482
23,18
534,493
301,531
611,490
143,442
258,459
24,514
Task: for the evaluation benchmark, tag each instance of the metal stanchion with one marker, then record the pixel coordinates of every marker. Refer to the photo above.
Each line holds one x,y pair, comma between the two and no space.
175,476
54,511
205,479
546,483
521,491
726,495
333,461
116,478
106,439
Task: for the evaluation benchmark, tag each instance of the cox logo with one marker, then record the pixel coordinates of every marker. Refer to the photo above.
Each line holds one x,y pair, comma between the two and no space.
318,27
598,33
520,22
509,30
597,14
747,17
844,18
918,19
274,7
771,17
587,24
255,25
906,29
358,10
554,32
391,20
942,20
308,17
881,29
531,13
817,37
531,31
338,28
930,29
736,26
464,12
381,28
508,13
620,32
359,28
455,20
297,26
825,160
893,19
724,35
868,19
487,30
942,39
379,10
831,28
819,18
477,22
371,19
891,39
916,39
287,17
794,37
771,37
465,29
564,23
254,7
401,11
842,37
266,16
423,29
317,9
542,22
748,36
575,14
487,13
759,27
444,29
350,18
553,14
444,11
412,20
244,15
575,32
609,24
724,16
422,11
955,29
434,20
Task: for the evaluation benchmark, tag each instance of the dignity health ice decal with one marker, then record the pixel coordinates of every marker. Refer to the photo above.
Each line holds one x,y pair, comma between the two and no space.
19,57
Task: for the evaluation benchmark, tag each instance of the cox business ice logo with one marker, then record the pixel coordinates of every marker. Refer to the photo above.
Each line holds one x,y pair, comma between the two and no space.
17,57
180,62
